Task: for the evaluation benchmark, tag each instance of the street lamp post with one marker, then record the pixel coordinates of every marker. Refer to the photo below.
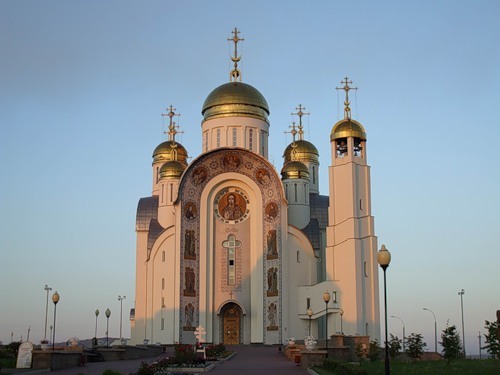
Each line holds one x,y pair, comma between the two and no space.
461,294
383,259
309,314
397,317
96,315
120,298
435,330
326,298
341,322
47,289
108,314
55,299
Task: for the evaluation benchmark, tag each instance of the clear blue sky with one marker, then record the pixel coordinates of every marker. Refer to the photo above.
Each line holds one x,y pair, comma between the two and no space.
83,85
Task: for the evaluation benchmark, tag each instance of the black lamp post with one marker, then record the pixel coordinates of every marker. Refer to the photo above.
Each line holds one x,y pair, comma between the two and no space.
383,259
96,315
55,299
120,298
326,298
108,314
435,330
309,314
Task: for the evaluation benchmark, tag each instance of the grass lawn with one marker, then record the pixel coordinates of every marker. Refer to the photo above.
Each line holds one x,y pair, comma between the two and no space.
459,367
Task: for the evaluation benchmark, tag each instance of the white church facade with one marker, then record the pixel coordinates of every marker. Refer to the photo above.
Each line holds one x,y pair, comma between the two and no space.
229,243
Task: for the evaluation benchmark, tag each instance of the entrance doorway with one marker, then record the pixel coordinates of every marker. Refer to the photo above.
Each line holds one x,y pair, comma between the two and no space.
231,324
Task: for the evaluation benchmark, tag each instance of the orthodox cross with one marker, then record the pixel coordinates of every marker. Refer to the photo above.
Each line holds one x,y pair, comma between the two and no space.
300,113
235,74
199,333
231,245
293,132
347,103
172,128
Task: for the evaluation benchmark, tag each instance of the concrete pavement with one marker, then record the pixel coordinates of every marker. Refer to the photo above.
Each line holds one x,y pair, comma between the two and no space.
249,360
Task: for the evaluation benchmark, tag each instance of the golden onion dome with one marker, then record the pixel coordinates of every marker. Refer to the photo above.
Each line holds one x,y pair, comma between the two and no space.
171,169
165,152
235,99
304,151
348,128
293,170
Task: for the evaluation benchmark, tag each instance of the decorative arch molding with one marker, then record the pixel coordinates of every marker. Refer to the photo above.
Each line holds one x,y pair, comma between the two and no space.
227,302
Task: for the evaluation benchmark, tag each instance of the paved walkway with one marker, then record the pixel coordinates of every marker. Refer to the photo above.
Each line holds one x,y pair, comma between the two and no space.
249,360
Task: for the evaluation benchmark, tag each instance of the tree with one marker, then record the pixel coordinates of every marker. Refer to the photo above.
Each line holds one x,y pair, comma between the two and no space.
415,346
492,340
374,351
452,346
394,346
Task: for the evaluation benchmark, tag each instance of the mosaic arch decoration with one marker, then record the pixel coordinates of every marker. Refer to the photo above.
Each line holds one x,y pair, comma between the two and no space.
231,206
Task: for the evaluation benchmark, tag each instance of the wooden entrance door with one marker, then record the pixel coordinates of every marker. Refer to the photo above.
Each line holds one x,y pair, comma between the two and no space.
232,326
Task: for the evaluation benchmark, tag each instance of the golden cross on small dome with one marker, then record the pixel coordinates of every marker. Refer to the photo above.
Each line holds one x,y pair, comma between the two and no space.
300,113
347,103
235,74
172,127
293,132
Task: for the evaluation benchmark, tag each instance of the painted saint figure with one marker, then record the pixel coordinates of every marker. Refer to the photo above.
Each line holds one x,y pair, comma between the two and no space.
232,211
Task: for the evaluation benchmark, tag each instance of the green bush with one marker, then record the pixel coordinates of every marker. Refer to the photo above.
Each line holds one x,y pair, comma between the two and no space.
343,368
111,372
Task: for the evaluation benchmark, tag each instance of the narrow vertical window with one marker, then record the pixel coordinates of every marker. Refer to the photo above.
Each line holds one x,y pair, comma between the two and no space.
235,138
314,175
171,192
206,142
286,192
157,174
218,137
163,283
365,269
308,303
250,140
162,192
361,204
162,301
162,324
295,187
163,256
262,143
298,256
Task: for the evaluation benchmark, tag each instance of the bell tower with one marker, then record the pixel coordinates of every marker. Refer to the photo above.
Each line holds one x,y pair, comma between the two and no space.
351,249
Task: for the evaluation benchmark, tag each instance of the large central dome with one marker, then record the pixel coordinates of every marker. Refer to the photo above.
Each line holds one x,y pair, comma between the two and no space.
235,99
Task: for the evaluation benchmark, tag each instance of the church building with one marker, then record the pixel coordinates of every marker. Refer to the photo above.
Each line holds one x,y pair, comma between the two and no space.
250,253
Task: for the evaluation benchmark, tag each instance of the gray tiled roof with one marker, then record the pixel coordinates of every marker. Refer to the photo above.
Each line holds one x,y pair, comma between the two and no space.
155,229
319,209
147,209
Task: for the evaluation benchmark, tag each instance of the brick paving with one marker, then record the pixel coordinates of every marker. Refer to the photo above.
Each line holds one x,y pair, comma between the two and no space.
260,360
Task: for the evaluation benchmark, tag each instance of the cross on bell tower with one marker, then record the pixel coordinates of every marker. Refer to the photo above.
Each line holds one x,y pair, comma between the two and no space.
347,103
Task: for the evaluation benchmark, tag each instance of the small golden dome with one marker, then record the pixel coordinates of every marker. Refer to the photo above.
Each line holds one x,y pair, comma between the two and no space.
305,152
348,128
171,169
293,170
235,99
165,152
